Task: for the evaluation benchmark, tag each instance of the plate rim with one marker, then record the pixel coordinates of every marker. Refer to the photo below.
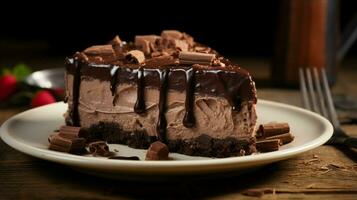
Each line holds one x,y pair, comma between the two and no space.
90,162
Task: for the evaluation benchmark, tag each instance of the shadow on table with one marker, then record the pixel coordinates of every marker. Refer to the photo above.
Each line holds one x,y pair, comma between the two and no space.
75,184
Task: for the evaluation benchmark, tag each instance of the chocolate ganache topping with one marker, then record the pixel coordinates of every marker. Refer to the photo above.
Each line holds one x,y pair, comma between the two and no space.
172,61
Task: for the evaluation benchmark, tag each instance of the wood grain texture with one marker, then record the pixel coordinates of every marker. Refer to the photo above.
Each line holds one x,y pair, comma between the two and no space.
324,173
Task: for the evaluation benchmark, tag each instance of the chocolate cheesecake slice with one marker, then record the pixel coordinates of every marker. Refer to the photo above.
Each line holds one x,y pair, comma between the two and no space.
167,88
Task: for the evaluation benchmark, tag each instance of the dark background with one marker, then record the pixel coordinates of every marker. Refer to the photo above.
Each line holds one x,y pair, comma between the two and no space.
56,29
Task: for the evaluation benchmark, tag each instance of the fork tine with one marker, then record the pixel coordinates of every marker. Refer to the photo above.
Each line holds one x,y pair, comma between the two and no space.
304,95
317,81
311,91
330,107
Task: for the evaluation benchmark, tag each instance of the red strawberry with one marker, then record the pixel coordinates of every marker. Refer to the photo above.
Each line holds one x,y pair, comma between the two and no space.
58,92
41,98
8,86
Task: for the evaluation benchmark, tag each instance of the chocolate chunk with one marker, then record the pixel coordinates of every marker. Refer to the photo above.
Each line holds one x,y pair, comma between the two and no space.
157,151
116,41
99,148
268,145
196,58
284,138
271,129
74,145
171,34
135,56
71,132
124,158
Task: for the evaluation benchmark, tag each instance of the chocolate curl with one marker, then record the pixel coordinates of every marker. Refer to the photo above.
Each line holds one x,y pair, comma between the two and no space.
284,138
196,58
271,129
135,56
71,132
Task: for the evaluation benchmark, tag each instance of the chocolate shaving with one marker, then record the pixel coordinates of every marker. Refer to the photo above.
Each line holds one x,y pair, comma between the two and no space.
124,158
171,34
284,138
196,58
271,129
100,50
116,41
99,148
101,53
71,132
150,38
180,45
268,145
157,151
135,56
74,145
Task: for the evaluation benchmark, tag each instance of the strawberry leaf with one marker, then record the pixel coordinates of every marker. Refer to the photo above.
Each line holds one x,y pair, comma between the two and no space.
21,71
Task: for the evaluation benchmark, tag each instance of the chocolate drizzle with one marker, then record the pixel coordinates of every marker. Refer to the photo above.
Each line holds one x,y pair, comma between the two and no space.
189,118
75,90
139,106
231,93
114,81
162,123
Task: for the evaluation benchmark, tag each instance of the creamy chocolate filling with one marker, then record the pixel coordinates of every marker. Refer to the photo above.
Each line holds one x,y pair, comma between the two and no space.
214,115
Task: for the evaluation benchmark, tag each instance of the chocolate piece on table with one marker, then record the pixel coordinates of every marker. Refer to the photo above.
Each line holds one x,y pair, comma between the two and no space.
284,138
157,151
72,132
268,145
271,129
74,145
135,56
99,148
124,158
196,58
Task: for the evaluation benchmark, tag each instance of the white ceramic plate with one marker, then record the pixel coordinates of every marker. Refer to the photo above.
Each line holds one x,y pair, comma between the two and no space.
28,132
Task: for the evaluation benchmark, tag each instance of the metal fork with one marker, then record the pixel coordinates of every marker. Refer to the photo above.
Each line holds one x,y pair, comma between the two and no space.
316,96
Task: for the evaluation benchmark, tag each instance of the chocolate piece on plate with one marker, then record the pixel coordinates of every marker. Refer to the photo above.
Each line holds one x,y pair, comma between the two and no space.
157,151
99,148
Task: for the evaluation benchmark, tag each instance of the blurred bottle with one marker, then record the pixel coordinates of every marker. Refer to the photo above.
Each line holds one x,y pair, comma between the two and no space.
308,35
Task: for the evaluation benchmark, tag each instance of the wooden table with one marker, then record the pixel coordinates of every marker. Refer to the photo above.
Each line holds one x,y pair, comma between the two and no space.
324,173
